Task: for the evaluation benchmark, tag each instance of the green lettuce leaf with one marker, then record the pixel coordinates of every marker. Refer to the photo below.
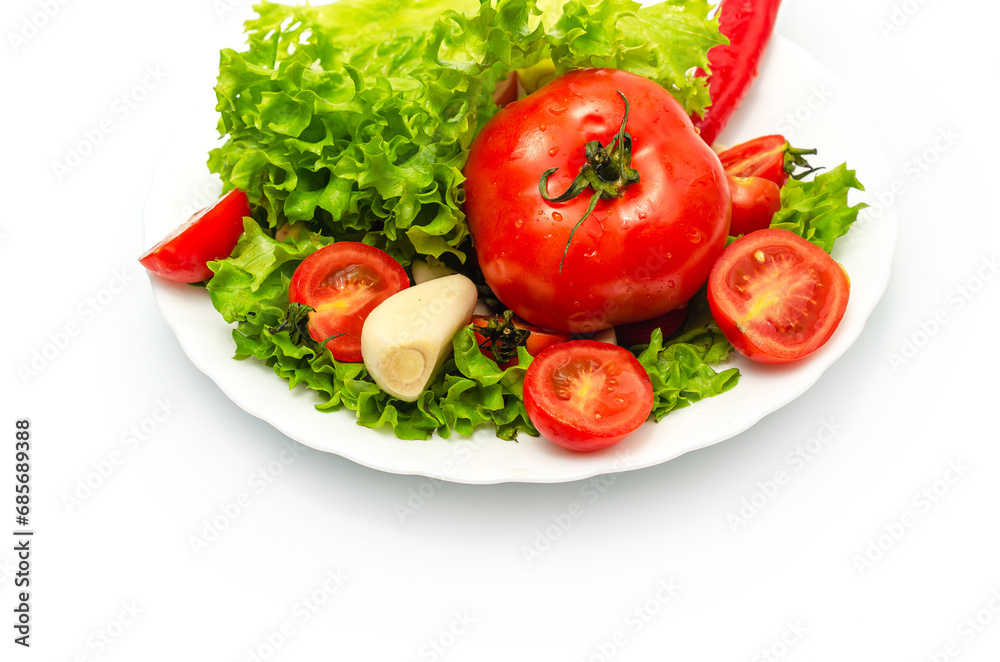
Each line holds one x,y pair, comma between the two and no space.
681,367
665,42
469,391
356,117
354,120
817,210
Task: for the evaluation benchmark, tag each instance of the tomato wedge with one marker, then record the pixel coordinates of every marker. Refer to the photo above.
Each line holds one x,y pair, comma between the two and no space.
777,297
755,202
343,282
503,339
770,157
585,395
211,234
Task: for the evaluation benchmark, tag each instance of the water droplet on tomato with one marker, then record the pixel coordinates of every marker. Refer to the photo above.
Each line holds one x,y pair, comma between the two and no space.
597,416
642,216
542,127
519,223
670,284
553,151
556,216
557,110
695,236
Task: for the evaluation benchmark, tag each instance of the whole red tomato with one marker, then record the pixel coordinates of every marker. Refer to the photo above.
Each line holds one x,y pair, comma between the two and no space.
646,246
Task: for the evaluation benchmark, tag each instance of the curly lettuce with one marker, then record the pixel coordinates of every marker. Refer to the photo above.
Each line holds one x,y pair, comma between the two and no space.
251,290
817,210
356,117
681,367
353,121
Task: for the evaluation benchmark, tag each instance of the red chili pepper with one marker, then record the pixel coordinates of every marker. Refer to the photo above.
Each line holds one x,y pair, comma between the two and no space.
748,24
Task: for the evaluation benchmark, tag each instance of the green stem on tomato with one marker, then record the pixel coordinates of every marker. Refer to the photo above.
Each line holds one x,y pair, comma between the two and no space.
795,159
607,172
296,323
503,338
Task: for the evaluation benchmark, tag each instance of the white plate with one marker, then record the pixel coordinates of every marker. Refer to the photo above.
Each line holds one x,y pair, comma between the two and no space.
794,95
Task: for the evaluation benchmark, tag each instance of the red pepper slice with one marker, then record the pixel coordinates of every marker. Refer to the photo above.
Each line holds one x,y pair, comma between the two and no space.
748,25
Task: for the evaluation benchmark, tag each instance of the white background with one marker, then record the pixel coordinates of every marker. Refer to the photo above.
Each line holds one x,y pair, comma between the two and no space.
882,546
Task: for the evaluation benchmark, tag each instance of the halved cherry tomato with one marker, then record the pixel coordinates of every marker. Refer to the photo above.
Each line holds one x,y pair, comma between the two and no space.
211,234
343,282
638,333
537,338
770,157
755,202
777,297
585,395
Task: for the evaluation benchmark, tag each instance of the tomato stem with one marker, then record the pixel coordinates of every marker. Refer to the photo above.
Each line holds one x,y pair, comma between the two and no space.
607,172
502,337
795,159
296,323
593,203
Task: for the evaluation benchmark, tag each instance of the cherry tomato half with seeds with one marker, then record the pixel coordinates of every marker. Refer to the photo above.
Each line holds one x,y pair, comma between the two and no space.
777,297
211,234
585,395
343,282
755,202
